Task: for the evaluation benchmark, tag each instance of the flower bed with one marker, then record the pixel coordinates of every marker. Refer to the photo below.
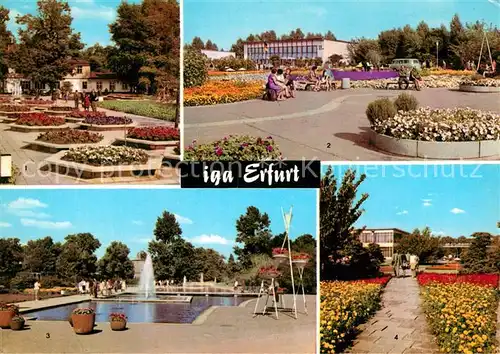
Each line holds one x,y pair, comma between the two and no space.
427,124
217,92
380,280
61,108
158,133
490,280
481,82
70,136
344,306
462,316
111,120
37,102
86,114
39,120
238,147
145,108
13,108
106,155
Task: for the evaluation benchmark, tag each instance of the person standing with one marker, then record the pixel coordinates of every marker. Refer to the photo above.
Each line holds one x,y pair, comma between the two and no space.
414,265
36,289
76,98
93,100
235,285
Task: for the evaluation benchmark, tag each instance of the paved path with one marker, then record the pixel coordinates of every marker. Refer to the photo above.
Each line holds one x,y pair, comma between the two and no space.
400,326
321,125
225,330
54,301
31,162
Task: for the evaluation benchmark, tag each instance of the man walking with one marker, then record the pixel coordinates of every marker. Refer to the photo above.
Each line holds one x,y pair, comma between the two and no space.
36,289
93,100
76,98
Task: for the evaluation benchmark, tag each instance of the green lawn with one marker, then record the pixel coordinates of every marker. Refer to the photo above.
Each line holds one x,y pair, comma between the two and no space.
142,108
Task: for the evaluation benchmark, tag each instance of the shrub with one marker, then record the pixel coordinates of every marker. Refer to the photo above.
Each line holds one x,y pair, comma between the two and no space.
106,155
110,120
343,306
406,102
22,281
195,68
234,148
380,110
39,120
462,316
159,133
84,114
217,92
70,136
51,282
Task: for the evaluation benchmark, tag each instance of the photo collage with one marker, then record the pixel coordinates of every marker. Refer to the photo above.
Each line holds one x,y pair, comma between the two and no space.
209,176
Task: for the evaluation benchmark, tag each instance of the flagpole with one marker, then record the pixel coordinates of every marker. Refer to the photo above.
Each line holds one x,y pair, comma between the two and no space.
287,237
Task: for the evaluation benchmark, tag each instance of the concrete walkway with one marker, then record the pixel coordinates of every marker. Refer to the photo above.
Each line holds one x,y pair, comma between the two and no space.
54,301
316,125
225,330
400,325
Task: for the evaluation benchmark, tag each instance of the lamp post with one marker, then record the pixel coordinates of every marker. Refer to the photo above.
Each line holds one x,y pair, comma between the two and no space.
6,165
437,54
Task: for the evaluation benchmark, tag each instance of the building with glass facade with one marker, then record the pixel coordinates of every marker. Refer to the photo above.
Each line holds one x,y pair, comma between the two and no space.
387,239
290,50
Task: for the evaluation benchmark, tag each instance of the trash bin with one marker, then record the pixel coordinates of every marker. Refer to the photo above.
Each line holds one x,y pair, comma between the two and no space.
346,83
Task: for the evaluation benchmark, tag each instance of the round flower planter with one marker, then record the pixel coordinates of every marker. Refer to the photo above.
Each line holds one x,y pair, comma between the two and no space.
118,325
16,325
83,324
5,317
300,263
280,257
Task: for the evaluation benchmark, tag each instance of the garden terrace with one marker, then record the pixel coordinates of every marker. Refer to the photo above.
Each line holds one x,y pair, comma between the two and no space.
144,108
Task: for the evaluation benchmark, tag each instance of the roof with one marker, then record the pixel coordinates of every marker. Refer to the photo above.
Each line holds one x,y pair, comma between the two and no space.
78,62
388,228
297,40
102,75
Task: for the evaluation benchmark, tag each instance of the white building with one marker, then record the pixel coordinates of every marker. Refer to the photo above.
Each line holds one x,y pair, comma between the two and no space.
290,50
387,239
81,78
218,54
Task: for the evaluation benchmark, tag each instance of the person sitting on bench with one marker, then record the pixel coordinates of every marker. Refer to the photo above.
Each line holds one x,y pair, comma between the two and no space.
313,78
281,81
289,82
329,79
273,85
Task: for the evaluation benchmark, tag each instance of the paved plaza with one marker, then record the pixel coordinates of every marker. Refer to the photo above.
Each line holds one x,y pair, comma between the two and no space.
400,325
317,125
217,330
31,165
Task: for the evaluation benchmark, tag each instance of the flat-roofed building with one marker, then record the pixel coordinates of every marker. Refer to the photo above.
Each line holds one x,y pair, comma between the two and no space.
387,239
289,50
218,54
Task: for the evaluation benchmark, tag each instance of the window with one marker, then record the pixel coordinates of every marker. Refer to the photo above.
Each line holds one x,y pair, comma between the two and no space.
384,237
367,237
112,86
25,85
39,86
386,251
79,69
99,85
84,85
124,86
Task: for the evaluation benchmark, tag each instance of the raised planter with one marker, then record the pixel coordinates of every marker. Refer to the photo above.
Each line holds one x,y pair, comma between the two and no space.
83,324
54,148
118,325
479,89
13,114
103,128
73,119
57,113
7,119
436,149
79,170
5,318
17,323
37,129
148,144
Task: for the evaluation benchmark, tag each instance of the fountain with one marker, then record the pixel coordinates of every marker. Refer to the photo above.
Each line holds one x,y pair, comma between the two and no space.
147,279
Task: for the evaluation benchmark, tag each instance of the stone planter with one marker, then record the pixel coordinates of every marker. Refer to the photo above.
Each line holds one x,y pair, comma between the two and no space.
17,325
300,263
479,89
118,325
83,324
37,129
148,144
6,317
108,127
280,258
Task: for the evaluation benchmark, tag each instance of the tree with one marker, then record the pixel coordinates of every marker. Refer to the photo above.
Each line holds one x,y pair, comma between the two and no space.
330,36
46,42
339,211
115,263
359,49
335,59
174,260
211,46
254,234
476,259
232,266
40,256
6,40
142,255
238,48
97,56
167,228
11,256
421,244
211,263
195,68
374,58
197,43
77,258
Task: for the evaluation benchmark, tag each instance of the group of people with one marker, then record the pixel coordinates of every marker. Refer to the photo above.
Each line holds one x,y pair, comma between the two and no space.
326,79
104,288
279,85
87,100
402,262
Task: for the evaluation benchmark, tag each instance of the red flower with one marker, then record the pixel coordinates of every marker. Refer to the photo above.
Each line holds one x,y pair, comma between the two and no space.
157,133
280,251
489,280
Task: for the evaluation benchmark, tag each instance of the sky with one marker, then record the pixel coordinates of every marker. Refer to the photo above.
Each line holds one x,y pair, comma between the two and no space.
224,21
453,200
207,216
90,17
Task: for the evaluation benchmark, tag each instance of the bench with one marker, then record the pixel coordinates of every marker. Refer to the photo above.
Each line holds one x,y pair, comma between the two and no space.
398,84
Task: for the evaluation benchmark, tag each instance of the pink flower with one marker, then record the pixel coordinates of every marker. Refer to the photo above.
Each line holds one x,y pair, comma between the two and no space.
219,151
269,148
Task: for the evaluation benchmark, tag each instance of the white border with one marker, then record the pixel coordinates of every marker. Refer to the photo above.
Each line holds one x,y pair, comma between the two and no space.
318,280
181,80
